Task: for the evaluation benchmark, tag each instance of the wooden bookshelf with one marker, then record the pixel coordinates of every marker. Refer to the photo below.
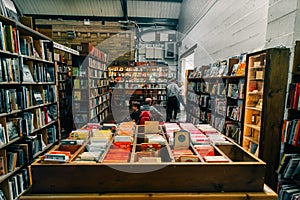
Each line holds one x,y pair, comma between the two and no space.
28,103
218,94
264,106
91,95
289,143
138,81
63,64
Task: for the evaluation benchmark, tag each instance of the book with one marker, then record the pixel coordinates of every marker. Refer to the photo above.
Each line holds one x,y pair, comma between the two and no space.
285,161
27,75
2,165
37,97
3,138
241,69
290,168
2,42
213,159
8,29
55,157
77,95
2,196
11,161
234,70
13,128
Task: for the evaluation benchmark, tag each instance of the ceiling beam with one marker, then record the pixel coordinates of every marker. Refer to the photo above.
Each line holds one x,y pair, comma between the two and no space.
141,21
124,8
151,20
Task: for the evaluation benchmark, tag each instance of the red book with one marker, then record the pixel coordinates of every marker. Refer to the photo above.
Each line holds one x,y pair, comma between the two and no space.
296,96
296,135
283,130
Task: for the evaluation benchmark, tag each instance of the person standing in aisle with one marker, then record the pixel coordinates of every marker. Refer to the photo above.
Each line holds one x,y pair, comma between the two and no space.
172,101
69,89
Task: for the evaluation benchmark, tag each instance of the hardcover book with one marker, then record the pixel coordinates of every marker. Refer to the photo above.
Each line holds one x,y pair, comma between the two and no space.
13,129
27,76
3,138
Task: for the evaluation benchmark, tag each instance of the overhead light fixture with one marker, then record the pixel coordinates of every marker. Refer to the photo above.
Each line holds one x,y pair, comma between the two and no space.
86,22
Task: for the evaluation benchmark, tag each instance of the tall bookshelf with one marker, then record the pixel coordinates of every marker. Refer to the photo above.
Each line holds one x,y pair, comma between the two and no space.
91,95
63,64
288,170
28,104
215,96
133,82
264,106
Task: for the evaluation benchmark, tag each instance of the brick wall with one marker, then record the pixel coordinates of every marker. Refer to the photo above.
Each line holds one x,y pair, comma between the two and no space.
110,37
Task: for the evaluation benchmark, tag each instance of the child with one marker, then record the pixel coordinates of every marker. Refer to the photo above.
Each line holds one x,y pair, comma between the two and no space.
135,115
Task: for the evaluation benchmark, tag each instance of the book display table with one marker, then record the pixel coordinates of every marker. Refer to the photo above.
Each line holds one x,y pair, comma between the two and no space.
163,175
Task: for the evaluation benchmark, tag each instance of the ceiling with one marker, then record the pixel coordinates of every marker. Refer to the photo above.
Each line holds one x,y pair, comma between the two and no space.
142,12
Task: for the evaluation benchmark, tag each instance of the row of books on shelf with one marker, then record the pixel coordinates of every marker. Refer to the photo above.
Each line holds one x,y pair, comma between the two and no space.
293,96
41,49
14,127
24,150
25,97
235,91
219,69
79,95
99,100
13,70
9,38
219,106
63,58
218,122
233,130
288,191
95,64
80,83
63,68
79,71
99,109
82,118
289,166
128,85
97,73
138,69
232,90
94,92
95,52
98,83
11,41
290,132
234,112
17,185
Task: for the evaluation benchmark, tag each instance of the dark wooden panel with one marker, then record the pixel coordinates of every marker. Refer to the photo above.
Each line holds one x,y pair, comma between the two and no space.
154,178
273,110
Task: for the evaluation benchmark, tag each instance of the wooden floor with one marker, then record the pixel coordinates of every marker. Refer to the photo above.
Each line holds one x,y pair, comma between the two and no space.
268,194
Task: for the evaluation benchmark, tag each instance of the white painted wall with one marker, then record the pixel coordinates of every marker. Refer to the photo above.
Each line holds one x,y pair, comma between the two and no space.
223,28
282,22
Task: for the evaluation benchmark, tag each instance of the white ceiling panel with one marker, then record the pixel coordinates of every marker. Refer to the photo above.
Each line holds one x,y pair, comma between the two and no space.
105,8
155,9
